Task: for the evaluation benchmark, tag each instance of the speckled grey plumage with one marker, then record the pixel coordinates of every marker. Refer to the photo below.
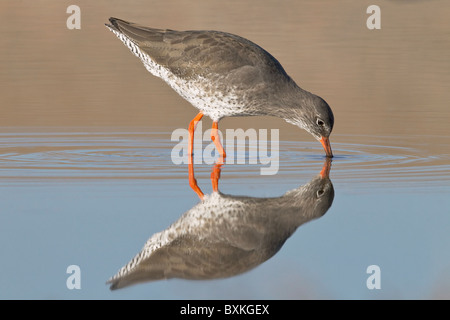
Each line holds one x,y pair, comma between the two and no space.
226,235
222,75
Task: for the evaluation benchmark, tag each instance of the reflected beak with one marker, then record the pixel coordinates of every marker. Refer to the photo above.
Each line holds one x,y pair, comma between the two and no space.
326,145
325,173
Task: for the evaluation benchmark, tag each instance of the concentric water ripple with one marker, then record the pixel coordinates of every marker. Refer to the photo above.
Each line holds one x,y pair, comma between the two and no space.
148,156
373,163
79,155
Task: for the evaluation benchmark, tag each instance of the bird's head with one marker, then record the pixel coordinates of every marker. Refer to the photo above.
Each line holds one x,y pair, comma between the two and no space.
315,116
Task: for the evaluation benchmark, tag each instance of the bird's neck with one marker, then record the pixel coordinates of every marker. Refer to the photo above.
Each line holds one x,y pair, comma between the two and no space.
289,103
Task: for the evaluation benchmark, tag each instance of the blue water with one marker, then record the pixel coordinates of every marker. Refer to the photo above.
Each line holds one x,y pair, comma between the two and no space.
92,200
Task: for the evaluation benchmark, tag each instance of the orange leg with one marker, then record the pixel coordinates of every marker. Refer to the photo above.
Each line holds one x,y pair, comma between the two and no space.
215,137
192,126
215,176
193,181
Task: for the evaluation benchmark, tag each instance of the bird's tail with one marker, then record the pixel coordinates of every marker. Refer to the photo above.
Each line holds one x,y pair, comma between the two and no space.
134,31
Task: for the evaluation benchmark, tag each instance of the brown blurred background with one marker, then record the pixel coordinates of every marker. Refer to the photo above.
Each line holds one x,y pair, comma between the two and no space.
389,81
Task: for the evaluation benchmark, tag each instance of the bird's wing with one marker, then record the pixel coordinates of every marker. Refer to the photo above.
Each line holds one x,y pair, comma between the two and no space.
189,53
187,258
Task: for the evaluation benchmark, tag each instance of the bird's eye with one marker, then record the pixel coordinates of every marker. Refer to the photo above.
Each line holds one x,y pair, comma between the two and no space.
320,193
320,122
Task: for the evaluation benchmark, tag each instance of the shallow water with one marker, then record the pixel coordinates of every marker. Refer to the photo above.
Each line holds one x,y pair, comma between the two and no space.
148,155
86,170
93,199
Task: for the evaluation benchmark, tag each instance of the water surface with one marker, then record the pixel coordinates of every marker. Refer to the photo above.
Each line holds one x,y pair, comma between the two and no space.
94,199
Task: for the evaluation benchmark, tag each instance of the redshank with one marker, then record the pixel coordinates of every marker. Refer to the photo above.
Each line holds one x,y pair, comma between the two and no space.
225,75
226,235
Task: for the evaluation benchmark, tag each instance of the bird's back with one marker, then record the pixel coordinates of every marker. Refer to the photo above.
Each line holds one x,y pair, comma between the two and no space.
190,54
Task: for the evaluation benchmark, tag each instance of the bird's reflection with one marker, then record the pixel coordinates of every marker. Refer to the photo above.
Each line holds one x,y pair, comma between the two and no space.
225,235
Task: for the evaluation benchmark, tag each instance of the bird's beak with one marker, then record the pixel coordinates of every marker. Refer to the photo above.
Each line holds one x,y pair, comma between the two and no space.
326,145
